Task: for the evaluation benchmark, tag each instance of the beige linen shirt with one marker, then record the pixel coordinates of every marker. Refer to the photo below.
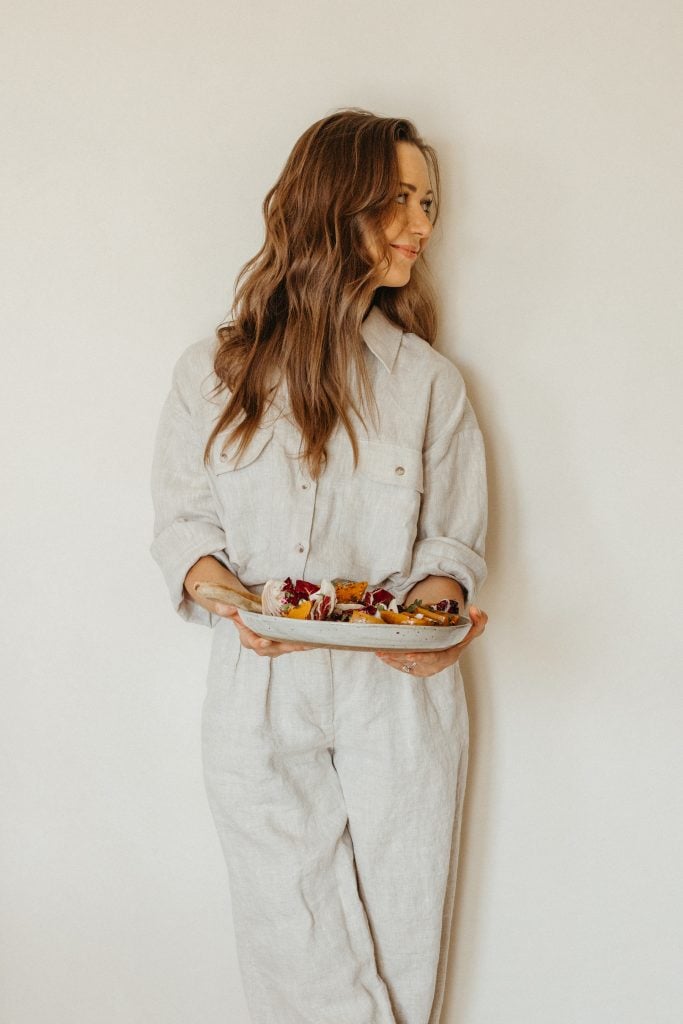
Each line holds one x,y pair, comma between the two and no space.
415,506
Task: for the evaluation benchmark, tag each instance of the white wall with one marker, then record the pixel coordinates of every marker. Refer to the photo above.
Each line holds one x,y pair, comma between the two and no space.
142,139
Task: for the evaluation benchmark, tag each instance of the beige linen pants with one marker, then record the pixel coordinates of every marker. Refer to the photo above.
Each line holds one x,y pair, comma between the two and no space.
336,784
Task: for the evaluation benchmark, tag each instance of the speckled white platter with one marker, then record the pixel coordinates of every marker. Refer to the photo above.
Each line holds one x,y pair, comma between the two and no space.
358,636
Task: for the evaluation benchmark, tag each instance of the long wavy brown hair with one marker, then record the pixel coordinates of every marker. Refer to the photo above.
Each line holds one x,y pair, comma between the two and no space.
300,302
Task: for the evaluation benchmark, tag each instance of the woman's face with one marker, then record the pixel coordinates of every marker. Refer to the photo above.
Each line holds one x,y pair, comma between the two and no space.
409,231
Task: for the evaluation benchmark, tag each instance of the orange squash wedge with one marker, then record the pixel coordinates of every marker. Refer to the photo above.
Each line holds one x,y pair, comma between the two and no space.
301,612
360,616
403,619
438,618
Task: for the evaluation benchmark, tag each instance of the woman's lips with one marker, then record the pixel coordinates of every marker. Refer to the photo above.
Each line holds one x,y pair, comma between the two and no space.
406,251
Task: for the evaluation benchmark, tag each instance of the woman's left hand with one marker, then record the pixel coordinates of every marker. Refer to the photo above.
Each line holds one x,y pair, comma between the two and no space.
428,663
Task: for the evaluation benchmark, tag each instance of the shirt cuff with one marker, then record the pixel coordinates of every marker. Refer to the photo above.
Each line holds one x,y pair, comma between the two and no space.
443,556
175,550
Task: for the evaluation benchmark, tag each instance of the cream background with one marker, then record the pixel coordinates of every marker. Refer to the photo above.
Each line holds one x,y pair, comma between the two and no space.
141,141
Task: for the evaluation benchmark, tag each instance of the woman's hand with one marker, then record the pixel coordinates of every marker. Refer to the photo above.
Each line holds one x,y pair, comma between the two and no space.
428,663
250,639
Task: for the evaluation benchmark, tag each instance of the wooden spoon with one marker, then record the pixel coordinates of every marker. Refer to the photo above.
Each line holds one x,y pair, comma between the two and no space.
240,598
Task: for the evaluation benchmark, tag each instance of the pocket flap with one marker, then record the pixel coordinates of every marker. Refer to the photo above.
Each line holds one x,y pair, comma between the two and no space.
224,458
391,464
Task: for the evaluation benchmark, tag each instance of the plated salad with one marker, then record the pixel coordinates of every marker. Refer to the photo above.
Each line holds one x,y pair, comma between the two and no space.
342,600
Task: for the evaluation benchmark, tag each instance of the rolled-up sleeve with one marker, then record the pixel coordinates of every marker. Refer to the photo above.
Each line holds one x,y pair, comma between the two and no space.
186,523
453,514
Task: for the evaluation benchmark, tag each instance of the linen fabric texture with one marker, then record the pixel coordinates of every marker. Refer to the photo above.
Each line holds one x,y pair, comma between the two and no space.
335,782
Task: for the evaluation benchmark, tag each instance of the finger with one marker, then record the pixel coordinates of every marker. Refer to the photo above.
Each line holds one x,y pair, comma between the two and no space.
417,667
246,633
271,648
280,646
421,663
248,637
227,611
403,656
418,671
479,618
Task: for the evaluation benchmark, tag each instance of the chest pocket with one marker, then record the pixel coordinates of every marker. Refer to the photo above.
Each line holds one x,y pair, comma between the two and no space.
393,465
244,490
382,502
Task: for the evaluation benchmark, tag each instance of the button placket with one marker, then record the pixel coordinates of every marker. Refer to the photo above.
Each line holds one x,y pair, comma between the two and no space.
304,521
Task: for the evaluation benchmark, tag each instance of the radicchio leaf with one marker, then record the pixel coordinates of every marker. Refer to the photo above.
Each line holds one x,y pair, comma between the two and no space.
304,587
378,596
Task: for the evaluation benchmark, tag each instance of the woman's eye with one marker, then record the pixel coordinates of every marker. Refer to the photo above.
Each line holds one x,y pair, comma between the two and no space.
426,203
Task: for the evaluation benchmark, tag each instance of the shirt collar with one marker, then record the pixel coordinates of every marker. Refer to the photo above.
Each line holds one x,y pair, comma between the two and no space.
382,337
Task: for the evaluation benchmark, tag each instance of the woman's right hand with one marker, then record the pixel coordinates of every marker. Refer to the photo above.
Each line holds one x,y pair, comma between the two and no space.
248,638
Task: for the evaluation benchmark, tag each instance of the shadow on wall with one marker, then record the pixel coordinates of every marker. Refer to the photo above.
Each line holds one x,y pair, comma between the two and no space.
476,833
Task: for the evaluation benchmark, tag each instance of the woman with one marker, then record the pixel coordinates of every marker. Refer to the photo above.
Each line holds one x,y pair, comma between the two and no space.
320,436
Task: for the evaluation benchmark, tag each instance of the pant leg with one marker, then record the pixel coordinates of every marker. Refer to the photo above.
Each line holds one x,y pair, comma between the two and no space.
401,746
304,945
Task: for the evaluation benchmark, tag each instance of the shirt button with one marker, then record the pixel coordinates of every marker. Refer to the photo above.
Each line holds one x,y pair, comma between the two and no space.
224,456
400,470
304,487
300,548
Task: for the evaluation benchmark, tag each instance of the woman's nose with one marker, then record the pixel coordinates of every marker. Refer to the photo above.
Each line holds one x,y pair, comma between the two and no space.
420,223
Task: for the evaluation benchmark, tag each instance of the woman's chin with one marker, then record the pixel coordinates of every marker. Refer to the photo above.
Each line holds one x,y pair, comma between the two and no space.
396,278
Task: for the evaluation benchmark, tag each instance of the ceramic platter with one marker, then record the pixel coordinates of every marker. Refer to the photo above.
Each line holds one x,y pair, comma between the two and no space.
359,636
